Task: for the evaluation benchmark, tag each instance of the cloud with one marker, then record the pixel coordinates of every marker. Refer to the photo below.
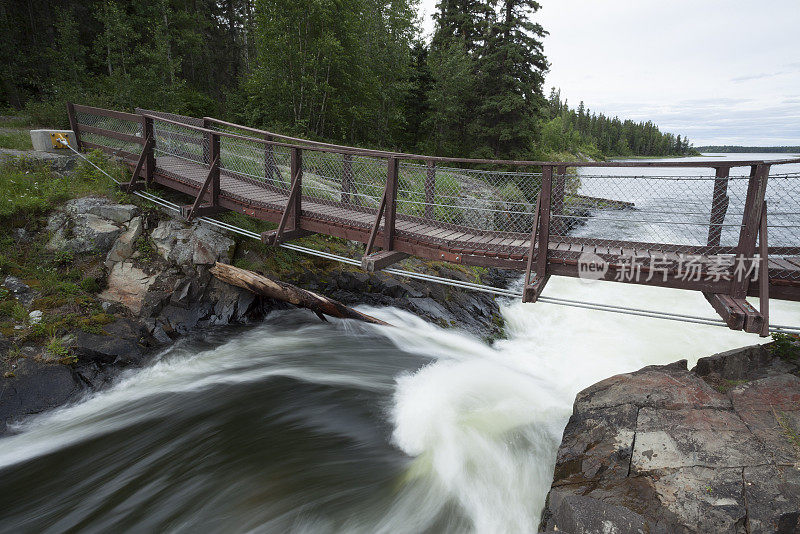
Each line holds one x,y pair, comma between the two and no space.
762,76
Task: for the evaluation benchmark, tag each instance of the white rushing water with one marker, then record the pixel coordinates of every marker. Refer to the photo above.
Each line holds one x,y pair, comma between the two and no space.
342,427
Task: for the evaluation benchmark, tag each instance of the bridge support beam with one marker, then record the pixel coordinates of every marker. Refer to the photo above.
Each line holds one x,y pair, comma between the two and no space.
381,260
738,314
272,237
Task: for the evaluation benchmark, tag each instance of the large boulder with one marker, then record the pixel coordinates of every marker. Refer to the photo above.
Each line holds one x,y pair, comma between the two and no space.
191,244
88,224
128,285
125,245
665,449
34,387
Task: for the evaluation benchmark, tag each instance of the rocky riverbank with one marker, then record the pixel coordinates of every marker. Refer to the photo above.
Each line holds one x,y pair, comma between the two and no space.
145,277
665,449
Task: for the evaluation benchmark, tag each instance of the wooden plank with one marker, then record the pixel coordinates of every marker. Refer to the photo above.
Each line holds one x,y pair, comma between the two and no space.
296,169
108,150
380,260
207,187
148,147
533,290
532,246
270,236
544,231
763,275
560,178
150,162
725,306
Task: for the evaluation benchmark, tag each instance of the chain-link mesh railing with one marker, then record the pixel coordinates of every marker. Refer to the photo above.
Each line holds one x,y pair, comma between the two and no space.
662,211
669,213
474,211
783,223
125,148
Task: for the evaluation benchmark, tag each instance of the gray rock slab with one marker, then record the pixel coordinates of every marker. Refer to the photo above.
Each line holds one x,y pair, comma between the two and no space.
669,439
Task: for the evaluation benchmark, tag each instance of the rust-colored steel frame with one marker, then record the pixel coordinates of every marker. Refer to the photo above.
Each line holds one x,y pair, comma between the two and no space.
545,254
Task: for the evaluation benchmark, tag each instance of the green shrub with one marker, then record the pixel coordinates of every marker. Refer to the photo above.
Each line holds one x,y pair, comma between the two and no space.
786,346
90,285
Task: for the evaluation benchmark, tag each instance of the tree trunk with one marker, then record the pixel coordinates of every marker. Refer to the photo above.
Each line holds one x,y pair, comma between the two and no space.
275,289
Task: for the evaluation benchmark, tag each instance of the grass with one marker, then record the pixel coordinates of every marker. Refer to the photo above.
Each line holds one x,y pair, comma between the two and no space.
28,188
67,282
726,385
18,140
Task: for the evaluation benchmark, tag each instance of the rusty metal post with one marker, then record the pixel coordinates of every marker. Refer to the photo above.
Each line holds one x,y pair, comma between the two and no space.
73,125
297,186
719,206
150,161
746,249
391,203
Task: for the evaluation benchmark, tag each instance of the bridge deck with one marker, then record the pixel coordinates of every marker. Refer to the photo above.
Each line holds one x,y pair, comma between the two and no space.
429,238
478,212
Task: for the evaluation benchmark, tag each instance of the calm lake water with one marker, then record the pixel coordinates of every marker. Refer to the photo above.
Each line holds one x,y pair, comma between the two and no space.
299,426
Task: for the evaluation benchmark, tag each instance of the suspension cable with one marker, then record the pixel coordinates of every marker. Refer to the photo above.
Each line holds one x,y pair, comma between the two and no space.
509,293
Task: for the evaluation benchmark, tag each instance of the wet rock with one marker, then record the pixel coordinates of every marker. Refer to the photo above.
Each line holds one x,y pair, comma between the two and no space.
579,514
432,310
35,387
597,444
21,291
128,285
123,343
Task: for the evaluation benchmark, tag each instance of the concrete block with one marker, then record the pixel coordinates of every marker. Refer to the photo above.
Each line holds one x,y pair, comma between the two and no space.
43,140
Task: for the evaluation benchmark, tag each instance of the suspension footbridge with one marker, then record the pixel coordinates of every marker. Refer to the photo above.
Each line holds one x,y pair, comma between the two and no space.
729,229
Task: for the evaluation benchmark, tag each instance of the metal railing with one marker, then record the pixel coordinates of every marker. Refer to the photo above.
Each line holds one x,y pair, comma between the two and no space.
536,216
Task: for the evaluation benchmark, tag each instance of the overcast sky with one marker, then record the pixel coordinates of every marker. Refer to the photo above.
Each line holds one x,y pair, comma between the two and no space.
721,71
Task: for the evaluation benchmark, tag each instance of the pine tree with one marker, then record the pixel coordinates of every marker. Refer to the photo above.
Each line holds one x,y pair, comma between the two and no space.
510,73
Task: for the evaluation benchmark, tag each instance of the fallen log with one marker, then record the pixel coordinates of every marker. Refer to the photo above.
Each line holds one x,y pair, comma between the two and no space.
275,289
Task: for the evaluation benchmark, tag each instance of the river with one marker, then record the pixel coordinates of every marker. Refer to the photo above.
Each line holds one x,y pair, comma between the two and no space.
294,425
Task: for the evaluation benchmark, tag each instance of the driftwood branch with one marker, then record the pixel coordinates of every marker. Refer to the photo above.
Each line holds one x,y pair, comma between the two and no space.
275,289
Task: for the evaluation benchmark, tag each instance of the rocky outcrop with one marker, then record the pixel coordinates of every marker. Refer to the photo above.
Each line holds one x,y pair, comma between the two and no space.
157,286
88,225
664,449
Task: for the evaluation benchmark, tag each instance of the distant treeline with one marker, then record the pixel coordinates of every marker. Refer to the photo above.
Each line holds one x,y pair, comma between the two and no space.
570,130
352,71
750,149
